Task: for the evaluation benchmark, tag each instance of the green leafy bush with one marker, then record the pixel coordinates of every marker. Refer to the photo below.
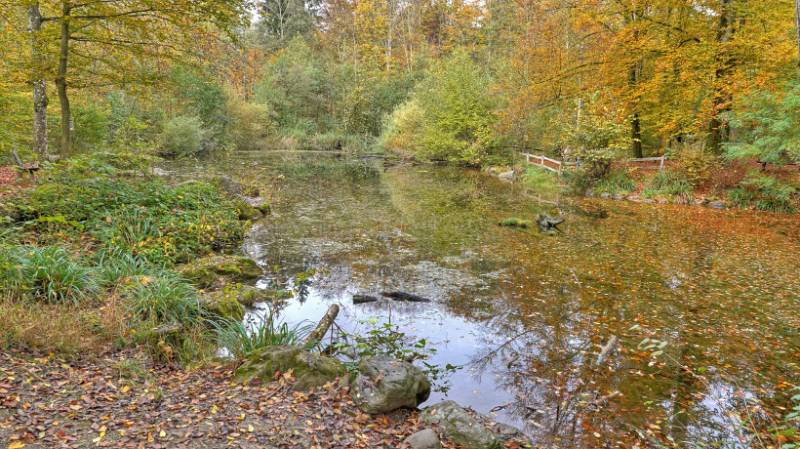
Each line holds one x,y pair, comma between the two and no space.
387,339
47,274
764,193
770,127
450,116
668,183
182,136
403,128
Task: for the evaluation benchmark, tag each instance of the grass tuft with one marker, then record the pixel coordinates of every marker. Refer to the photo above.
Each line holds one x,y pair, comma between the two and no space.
241,339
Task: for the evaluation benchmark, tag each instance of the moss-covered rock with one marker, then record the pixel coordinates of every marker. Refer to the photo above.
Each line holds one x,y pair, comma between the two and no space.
224,304
212,270
246,211
311,370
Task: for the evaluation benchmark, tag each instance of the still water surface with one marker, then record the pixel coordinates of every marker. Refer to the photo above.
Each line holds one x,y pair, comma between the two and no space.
704,302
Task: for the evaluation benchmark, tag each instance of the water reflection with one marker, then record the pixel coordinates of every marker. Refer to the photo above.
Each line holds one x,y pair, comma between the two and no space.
527,314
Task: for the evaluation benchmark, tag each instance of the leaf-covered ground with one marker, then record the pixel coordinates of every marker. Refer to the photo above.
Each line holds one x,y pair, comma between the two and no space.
116,402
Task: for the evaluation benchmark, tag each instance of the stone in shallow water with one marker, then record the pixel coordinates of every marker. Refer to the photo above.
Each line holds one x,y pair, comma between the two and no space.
208,271
470,429
384,384
311,370
224,304
460,426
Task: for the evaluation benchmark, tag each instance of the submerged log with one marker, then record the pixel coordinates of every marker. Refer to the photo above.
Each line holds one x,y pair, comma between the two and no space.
403,296
606,350
363,299
324,324
548,223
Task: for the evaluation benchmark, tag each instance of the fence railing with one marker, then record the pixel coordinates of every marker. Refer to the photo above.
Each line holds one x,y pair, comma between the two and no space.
544,162
557,166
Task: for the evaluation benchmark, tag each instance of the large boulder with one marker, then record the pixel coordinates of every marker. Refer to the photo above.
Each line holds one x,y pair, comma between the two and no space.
209,271
384,384
311,370
461,426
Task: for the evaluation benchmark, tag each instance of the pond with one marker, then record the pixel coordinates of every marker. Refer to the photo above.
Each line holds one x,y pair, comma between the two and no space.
704,302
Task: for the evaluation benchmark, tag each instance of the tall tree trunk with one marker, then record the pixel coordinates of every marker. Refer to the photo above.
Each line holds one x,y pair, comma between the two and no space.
61,80
38,83
633,81
718,127
389,34
797,25
636,122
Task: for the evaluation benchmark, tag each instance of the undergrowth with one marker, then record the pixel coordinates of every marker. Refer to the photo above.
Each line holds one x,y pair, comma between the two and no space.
765,193
668,183
97,240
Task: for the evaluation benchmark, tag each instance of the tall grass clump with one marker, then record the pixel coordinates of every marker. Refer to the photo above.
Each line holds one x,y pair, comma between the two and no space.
241,339
669,183
163,298
616,182
46,274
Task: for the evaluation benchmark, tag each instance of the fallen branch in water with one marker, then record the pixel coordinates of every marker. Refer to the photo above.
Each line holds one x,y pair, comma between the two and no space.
606,350
324,324
403,296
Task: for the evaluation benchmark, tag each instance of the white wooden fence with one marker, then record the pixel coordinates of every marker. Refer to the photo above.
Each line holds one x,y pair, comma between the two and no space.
556,166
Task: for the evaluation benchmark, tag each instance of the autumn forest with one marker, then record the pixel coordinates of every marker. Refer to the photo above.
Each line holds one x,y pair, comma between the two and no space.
461,224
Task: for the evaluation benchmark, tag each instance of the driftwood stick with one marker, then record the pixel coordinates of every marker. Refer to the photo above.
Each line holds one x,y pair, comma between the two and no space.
324,324
606,350
16,158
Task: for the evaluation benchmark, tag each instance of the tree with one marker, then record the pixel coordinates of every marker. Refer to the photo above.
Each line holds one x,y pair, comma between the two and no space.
116,41
38,82
281,20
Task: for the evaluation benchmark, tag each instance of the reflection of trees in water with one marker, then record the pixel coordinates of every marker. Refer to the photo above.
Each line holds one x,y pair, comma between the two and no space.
547,366
706,290
547,360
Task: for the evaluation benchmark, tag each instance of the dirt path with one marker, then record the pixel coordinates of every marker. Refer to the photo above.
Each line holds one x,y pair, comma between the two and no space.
116,402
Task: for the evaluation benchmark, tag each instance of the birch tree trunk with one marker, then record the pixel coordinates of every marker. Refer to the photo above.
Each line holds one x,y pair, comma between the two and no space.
38,83
61,80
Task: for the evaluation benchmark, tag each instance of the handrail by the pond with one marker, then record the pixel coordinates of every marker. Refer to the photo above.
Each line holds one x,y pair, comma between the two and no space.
557,166
544,162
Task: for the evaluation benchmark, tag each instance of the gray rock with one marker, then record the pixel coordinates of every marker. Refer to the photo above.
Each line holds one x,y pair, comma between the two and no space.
507,176
156,171
460,426
605,195
424,439
384,384
717,205
618,197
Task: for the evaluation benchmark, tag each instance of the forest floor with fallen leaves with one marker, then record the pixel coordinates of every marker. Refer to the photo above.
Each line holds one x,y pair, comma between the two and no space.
117,401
